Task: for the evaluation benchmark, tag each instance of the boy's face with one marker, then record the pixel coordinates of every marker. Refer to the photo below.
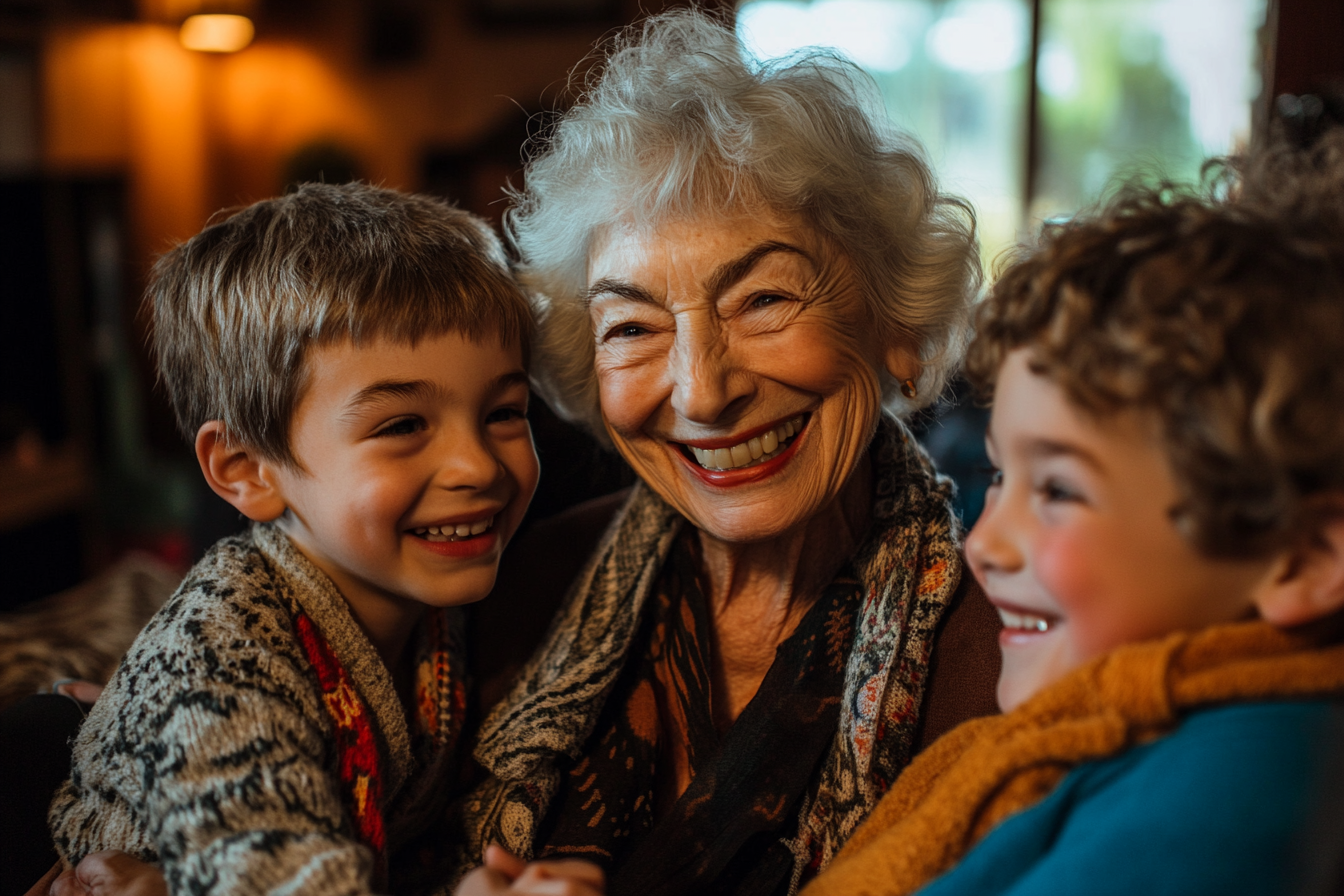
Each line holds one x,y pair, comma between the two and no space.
397,442
1076,547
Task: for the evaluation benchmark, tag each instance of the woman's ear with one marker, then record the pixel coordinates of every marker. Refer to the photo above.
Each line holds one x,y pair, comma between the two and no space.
901,363
1309,582
239,475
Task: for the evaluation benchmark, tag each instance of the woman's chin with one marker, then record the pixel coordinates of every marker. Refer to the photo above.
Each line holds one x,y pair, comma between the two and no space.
748,521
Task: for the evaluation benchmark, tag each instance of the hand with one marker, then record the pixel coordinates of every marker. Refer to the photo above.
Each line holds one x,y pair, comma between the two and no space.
503,872
83,691
110,873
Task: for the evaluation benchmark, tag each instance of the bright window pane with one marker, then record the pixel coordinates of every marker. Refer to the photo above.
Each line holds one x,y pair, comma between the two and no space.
952,73
1140,87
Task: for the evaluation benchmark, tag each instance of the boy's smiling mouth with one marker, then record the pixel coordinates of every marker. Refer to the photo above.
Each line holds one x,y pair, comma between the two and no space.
1020,621
1024,622
457,532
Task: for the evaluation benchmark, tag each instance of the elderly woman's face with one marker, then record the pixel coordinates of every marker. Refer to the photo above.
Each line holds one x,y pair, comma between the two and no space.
737,367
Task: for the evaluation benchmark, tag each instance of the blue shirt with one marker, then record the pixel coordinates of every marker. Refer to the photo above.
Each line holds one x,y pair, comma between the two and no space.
1225,804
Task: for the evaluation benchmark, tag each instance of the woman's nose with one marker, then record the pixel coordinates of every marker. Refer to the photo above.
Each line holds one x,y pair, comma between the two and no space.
706,380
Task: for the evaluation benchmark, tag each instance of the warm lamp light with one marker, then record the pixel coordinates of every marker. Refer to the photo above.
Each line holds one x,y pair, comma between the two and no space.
216,33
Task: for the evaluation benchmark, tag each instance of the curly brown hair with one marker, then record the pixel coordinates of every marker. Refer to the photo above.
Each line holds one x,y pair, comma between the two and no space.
1223,315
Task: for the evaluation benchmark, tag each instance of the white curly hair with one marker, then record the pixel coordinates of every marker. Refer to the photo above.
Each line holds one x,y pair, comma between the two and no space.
682,119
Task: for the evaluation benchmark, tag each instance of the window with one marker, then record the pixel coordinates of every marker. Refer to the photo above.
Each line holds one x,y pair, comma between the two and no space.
1121,87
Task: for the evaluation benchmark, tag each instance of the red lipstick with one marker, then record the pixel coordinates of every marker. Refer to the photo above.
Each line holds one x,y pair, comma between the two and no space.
745,436
742,475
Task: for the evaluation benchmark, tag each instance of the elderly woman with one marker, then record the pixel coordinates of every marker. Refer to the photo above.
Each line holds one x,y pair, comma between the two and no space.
740,266
746,279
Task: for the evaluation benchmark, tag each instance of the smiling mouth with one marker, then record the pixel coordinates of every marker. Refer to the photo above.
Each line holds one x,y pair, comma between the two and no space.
1024,621
757,450
459,532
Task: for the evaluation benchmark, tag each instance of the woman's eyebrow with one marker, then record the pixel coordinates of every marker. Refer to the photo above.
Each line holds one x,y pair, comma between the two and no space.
723,278
731,272
622,288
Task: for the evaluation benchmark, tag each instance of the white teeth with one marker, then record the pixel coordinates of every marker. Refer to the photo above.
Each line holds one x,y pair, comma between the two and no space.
748,453
453,533
1026,622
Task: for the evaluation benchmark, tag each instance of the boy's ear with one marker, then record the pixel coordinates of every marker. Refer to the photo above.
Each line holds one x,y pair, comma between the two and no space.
238,474
1309,583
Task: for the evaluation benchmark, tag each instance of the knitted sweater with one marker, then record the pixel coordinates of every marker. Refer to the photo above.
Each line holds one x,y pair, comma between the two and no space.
987,770
252,740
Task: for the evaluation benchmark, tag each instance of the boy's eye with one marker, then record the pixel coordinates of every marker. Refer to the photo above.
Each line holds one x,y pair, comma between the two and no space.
503,415
403,426
1053,490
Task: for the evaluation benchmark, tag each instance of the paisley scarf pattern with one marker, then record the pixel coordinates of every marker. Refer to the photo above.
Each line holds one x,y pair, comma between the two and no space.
907,570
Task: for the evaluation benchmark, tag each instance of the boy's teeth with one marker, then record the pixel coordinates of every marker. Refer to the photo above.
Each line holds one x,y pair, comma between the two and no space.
751,452
453,533
1027,622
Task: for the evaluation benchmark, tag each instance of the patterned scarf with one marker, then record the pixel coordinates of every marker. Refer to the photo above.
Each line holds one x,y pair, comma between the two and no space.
906,572
440,697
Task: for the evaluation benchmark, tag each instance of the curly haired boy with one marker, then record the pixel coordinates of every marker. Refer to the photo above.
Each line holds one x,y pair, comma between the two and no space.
1164,541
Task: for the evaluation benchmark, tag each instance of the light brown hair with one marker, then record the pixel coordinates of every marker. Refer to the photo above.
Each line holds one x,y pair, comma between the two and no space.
1224,317
236,308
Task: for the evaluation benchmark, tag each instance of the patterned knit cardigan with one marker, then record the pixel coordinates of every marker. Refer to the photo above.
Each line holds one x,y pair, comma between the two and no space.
252,740
909,565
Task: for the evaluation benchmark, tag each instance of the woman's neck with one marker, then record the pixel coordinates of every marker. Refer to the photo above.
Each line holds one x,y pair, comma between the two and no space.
758,593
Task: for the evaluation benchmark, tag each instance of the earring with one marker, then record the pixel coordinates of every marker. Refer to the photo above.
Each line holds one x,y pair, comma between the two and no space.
908,389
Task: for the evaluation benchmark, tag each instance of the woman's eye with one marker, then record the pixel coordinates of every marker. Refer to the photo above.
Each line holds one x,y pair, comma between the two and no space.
404,426
626,331
995,475
769,298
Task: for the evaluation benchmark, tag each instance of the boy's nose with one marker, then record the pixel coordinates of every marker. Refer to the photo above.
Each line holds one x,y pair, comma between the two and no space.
468,464
990,546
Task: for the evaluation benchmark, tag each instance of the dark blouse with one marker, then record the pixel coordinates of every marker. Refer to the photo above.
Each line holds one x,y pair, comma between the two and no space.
730,824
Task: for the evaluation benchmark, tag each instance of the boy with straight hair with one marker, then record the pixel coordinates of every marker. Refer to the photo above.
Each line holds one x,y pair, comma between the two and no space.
351,365
1164,540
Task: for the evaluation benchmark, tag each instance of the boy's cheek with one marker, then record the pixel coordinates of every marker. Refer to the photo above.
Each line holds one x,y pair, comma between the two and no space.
1077,578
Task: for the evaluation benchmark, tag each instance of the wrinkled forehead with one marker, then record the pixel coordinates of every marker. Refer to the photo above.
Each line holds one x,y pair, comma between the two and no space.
707,238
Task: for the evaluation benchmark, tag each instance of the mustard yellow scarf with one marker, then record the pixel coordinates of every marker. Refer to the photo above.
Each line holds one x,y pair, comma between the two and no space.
986,769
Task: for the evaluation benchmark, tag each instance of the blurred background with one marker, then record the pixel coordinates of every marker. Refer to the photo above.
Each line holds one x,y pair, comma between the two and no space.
124,124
